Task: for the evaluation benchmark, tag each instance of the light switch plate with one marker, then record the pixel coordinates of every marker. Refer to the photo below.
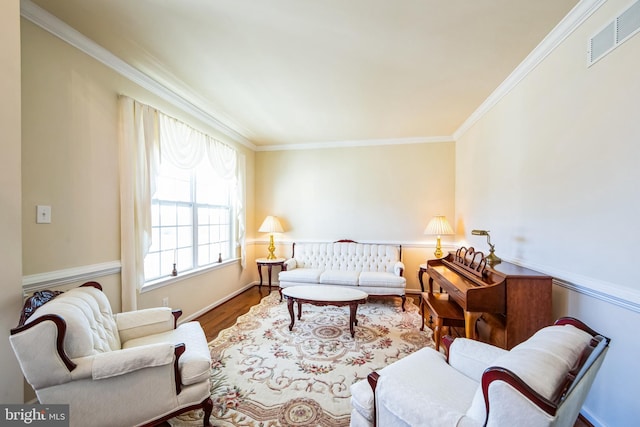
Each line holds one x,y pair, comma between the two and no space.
43,214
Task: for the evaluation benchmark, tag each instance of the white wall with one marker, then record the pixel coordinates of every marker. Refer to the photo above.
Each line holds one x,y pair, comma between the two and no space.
552,171
11,383
379,193
376,194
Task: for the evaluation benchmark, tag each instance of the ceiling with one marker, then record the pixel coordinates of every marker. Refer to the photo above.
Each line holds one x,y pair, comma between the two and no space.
282,72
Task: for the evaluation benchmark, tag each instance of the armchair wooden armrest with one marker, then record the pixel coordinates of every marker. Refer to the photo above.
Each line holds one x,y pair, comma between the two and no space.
61,327
446,342
575,322
495,373
179,351
372,379
176,314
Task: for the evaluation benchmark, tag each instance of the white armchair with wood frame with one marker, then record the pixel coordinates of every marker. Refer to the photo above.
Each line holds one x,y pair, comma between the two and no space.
124,369
541,382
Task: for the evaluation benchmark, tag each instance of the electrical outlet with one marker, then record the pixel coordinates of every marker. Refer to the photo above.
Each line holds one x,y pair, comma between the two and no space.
43,214
165,302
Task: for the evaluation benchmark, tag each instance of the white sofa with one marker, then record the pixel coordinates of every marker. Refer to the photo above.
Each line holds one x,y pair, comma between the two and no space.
541,382
376,269
125,369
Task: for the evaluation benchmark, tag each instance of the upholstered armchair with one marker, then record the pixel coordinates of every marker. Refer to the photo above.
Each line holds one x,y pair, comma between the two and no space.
125,369
541,382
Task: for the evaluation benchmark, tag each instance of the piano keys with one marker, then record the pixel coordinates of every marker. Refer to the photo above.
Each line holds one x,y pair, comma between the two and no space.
503,304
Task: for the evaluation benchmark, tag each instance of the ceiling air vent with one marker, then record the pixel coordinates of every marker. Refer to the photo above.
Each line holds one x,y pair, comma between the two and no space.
615,33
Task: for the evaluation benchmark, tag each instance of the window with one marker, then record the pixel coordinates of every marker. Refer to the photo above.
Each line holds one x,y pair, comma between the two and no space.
191,220
182,199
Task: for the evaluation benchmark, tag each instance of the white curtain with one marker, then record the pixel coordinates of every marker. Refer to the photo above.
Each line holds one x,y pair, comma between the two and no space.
186,147
241,218
179,144
139,148
148,137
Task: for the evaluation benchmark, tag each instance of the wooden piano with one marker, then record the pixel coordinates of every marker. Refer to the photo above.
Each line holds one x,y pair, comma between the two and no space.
503,304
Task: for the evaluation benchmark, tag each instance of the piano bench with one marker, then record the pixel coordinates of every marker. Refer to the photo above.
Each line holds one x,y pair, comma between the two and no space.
446,313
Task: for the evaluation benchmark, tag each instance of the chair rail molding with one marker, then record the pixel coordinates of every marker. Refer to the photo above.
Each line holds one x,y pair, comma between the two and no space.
611,293
39,281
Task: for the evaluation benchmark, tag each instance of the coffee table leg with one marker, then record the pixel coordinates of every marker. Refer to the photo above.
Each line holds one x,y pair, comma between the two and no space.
353,307
299,310
290,307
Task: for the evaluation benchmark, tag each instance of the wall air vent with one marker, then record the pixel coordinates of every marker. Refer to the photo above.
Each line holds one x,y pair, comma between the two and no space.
623,27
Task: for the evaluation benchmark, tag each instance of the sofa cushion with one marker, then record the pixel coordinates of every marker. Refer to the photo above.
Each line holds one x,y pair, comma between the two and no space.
542,362
303,275
339,277
381,279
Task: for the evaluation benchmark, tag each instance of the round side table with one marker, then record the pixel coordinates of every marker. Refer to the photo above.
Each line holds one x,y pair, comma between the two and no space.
261,262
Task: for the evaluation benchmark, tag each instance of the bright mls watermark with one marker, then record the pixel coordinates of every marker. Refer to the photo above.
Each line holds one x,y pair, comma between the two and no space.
34,415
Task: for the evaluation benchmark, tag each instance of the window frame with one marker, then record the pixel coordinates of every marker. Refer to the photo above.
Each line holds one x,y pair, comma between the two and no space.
226,242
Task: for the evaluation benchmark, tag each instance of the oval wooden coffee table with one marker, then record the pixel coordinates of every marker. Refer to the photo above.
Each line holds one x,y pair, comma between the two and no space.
325,295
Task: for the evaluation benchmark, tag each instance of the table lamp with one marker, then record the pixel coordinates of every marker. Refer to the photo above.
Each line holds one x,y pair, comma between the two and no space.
271,225
438,226
492,258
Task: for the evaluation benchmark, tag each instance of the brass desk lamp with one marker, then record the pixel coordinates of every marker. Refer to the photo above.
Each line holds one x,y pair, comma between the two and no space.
492,259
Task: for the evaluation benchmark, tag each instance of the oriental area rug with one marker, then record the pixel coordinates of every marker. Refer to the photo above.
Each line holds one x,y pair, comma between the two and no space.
264,375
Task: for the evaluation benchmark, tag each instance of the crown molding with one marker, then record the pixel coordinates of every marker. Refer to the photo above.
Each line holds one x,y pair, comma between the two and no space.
53,25
66,33
355,143
575,18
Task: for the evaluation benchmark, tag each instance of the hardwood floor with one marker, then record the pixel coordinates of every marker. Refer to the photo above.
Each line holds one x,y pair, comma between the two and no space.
225,315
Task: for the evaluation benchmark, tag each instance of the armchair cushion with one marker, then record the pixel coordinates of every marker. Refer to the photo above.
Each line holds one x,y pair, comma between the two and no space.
551,351
195,364
472,357
403,380
134,324
430,407
114,363
91,328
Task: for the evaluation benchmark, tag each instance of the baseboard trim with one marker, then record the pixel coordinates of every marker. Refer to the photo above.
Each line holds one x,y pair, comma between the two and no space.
218,302
583,422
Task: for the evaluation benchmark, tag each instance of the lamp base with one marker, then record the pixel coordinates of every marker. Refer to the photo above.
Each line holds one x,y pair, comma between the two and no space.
492,259
271,248
438,252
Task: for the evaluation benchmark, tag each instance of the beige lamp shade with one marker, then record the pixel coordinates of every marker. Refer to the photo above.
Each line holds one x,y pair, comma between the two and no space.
438,226
271,225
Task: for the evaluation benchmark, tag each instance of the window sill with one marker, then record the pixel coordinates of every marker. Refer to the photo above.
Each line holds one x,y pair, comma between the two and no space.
166,281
